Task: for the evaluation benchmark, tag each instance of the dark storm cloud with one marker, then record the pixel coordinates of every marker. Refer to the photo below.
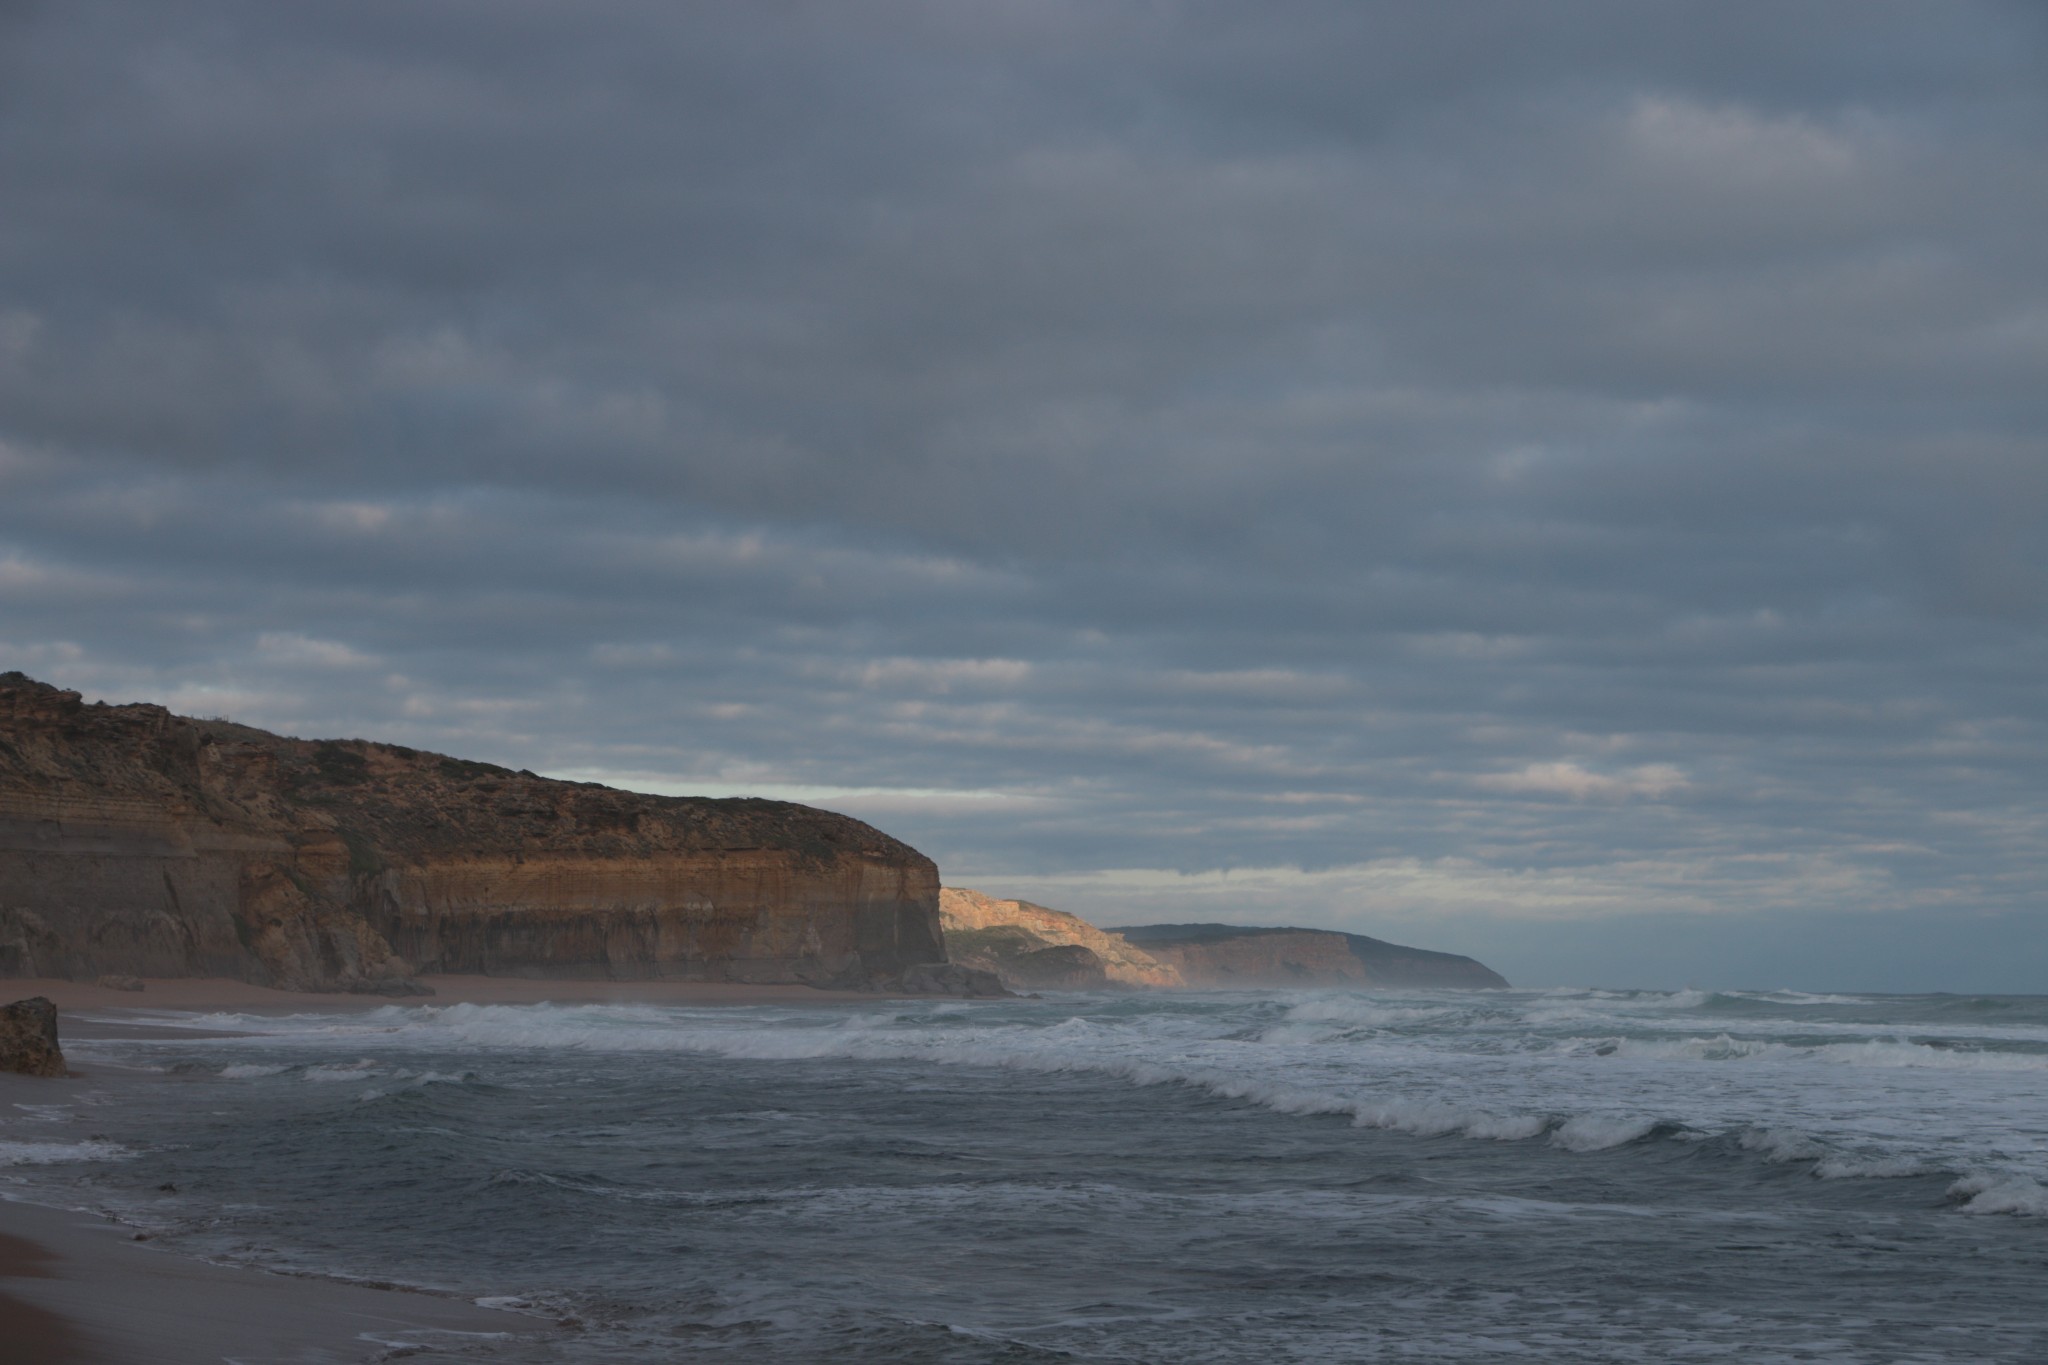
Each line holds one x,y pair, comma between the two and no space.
1459,468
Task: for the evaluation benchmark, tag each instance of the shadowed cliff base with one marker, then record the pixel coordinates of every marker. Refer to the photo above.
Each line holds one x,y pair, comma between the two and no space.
135,842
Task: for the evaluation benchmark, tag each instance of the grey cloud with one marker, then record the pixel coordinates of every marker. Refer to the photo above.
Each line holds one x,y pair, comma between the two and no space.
1596,437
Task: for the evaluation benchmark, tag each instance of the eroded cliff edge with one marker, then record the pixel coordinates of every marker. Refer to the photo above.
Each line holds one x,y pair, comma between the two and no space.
137,841
1034,947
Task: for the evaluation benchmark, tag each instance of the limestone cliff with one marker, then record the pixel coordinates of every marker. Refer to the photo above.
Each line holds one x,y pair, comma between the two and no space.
1225,956
1023,961
139,842
997,934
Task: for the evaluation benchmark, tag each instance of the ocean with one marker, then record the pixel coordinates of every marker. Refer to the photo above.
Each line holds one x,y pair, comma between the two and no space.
1572,1175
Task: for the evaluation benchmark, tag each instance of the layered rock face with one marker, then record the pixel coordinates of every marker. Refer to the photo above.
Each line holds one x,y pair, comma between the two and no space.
136,842
994,934
1027,962
1223,956
1023,961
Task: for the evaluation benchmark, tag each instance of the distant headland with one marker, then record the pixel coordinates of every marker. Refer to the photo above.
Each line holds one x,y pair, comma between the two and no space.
1033,947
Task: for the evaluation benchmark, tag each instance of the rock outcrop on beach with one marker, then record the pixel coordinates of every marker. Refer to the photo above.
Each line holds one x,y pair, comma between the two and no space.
1225,956
28,1039
141,843
1008,937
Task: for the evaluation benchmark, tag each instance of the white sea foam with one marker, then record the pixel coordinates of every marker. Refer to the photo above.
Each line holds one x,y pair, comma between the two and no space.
1685,1000
45,1113
1869,1168
1598,1132
1505,1128
51,1153
1868,1052
1779,1146
1783,1146
415,1080
1356,1012
1994,1193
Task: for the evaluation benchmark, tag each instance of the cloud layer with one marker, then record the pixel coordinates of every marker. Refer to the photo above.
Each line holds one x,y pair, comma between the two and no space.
1476,472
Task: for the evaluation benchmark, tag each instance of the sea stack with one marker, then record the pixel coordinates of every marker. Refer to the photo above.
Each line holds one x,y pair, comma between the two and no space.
28,1039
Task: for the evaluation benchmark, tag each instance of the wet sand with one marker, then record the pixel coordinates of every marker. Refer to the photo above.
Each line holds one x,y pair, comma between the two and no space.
32,1333
76,1289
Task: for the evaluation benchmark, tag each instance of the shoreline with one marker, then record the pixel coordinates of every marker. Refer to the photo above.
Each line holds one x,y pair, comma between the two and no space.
209,995
82,1284
80,1289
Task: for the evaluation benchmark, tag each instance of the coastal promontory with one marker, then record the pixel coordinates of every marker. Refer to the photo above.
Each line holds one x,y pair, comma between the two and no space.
1033,947
135,841
1226,956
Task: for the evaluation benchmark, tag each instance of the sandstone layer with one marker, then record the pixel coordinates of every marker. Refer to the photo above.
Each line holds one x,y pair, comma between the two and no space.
1223,956
140,843
984,931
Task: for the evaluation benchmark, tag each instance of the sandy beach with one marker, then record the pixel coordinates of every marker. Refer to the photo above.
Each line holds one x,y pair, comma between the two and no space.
79,1289
76,1289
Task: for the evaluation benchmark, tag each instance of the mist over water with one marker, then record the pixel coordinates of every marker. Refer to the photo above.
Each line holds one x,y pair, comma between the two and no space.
1314,1176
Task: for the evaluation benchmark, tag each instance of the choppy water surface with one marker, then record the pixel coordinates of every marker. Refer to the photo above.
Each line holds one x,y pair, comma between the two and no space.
1326,1176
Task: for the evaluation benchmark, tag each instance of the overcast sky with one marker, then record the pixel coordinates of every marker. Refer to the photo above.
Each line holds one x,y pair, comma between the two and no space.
1565,482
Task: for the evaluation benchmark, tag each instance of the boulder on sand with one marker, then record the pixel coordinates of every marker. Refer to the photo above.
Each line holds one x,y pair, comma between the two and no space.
28,1038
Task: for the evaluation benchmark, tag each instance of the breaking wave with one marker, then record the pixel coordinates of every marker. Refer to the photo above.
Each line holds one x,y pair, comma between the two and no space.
1582,1071
2007,1194
1872,1052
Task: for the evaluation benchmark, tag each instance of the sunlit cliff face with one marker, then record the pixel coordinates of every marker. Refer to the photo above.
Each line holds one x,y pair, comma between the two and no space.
136,841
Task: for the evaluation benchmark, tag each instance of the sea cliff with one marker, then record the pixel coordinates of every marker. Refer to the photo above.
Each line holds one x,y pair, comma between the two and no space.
1034,947
1228,955
134,841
